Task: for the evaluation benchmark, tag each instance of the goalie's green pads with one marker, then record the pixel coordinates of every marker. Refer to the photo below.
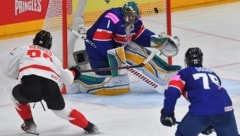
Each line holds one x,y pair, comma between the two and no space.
93,84
116,58
117,83
157,69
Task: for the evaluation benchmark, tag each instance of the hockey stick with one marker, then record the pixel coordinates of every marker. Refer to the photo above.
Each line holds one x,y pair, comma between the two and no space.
147,60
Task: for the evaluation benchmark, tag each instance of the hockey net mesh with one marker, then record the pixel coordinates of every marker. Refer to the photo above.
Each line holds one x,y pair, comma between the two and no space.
53,22
54,19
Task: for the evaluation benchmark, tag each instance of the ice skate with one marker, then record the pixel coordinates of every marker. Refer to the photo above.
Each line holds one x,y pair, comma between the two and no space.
30,127
92,129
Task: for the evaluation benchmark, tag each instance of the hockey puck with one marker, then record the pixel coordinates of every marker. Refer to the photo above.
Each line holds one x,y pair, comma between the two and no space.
155,10
107,1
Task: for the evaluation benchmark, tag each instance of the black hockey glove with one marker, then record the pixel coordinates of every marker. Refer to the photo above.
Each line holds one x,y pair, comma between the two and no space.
167,120
77,71
208,130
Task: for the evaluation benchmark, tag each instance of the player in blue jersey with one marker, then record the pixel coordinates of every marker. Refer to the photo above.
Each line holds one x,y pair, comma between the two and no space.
210,105
117,27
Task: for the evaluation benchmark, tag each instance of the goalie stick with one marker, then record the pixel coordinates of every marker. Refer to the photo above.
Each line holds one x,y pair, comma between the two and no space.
147,60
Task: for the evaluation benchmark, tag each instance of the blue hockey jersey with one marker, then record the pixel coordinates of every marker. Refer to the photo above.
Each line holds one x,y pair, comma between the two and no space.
109,32
202,88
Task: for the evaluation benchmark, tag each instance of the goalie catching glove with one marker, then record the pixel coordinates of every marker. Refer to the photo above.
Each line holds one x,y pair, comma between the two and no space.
167,45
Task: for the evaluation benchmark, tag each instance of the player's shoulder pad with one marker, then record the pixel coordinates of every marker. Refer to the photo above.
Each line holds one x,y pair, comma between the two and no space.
114,15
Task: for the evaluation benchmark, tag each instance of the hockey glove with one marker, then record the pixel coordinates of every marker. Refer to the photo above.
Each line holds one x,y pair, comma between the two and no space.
77,71
167,120
167,45
208,130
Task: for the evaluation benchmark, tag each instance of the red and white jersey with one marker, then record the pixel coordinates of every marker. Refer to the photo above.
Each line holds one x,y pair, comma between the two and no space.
33,60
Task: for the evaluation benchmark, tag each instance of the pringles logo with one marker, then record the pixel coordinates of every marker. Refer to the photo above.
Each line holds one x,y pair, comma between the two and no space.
22,6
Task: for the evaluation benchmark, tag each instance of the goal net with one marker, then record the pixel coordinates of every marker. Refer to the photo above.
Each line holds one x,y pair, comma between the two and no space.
60,14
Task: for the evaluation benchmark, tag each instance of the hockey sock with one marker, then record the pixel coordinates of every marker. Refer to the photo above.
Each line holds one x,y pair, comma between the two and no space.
78,119
24,110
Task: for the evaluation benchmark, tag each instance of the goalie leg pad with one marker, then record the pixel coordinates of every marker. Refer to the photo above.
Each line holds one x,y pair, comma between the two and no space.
116,58
95,63
107,85
157,69
162,70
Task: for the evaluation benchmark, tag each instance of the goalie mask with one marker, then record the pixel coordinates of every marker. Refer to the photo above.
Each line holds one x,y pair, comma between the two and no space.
194,57
131,13
44,39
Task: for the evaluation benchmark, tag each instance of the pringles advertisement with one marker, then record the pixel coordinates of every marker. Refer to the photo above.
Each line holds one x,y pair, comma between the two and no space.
16,11
21,16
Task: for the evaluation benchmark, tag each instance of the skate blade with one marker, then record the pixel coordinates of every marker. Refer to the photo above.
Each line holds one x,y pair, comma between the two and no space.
90,134
29,134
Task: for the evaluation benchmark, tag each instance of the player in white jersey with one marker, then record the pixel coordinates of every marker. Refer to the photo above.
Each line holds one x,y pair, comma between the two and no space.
41,74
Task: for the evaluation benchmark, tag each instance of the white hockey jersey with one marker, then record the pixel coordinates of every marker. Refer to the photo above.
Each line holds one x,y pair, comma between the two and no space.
36,60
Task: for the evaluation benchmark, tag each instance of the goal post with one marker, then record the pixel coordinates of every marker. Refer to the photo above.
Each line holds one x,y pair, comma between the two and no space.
64,33
169,23
56,21
60,14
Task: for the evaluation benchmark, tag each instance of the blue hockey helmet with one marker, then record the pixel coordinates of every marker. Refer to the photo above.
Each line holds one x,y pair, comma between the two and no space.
131,12
43,38
194,57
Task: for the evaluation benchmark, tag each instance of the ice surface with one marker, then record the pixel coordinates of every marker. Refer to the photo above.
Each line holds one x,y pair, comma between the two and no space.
214,29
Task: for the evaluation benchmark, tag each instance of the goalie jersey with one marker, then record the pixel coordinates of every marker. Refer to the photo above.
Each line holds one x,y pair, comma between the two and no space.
202,88
110,31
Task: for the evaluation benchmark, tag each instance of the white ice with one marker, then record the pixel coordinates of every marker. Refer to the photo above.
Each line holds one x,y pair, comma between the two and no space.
214,29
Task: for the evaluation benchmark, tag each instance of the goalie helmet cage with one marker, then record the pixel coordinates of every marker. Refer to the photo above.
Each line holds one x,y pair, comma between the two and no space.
59,17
